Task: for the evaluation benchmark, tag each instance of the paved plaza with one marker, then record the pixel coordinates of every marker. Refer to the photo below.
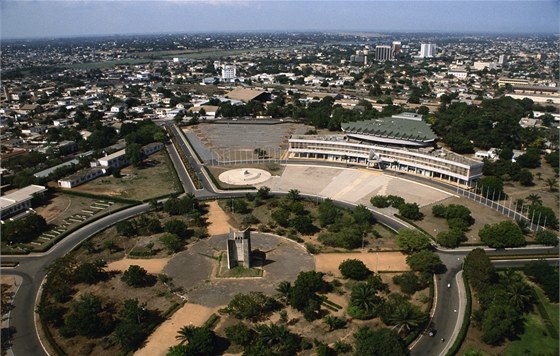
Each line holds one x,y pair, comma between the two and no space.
194,270
352,185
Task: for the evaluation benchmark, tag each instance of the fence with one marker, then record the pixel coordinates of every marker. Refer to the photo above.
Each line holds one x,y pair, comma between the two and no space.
222,157
503,204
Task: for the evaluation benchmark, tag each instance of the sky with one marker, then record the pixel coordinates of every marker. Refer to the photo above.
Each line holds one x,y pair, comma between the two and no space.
42,18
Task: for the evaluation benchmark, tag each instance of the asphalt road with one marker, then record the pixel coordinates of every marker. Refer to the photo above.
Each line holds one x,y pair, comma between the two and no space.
32,270
32,267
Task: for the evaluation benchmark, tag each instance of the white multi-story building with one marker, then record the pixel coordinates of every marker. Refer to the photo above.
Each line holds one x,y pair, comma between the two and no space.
427,50
229,71
383,53
401,142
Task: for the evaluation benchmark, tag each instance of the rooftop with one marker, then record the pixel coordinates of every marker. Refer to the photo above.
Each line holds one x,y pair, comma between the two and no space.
20,195
392,127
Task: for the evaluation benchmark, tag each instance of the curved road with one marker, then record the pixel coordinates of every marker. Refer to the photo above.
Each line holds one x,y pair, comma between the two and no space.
32,267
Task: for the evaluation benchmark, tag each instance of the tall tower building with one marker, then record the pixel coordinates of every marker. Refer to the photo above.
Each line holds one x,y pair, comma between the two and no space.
396,48
383,53
502,60
427,50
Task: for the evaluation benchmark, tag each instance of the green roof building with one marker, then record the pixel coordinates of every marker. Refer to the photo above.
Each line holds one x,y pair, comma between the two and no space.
406,129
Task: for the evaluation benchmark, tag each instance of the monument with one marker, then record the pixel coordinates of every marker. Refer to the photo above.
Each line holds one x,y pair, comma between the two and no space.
239,248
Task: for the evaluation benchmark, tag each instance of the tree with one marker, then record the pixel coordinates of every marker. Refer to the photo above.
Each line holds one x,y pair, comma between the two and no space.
407,317
171,242
135,276
334,322
293,195
503,234
239,334
281,216
425,261
176,227
201,340
354,269
546,237
362,216
410,211
530,159
252,306
552,183
525,177
546,276
90,272
534,199
451,238
263,193
499,321
478,269
303,224
126,228
379,201
284,288
379,342
412,240
491,187
327,212
364,302
88,318
408,282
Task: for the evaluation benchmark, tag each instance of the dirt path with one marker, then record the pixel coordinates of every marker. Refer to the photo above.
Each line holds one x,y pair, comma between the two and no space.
218,219
164,336
376,261
155,265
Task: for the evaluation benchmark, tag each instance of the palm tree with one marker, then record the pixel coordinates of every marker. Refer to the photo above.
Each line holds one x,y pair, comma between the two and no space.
284,289
552,183
534,199
519,204
272,334
331,321
185,333
520,295
408,317
364,297
293,195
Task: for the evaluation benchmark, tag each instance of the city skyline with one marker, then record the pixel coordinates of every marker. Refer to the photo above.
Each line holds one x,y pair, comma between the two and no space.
47,19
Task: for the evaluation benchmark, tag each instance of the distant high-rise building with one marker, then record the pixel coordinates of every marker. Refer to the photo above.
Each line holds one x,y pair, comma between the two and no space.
396,48
229,71
383,53
361,56
427,50
502,60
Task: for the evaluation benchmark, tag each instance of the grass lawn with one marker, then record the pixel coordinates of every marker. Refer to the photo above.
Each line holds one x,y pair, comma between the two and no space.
551,308
534,341
153,179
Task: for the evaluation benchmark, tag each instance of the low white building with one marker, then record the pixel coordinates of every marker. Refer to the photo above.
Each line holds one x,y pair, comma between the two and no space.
19,200
80,177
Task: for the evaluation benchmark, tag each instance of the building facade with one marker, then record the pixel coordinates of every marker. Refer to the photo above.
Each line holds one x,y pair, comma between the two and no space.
229,72
428,162
427,50
383,53
21,199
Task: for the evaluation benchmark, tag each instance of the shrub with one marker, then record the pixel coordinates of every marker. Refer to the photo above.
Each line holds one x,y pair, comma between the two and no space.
135,276
546,237
408,282
354,269
410,211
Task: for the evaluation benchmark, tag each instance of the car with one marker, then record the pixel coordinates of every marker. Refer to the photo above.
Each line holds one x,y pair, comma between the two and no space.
448,285
432,332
